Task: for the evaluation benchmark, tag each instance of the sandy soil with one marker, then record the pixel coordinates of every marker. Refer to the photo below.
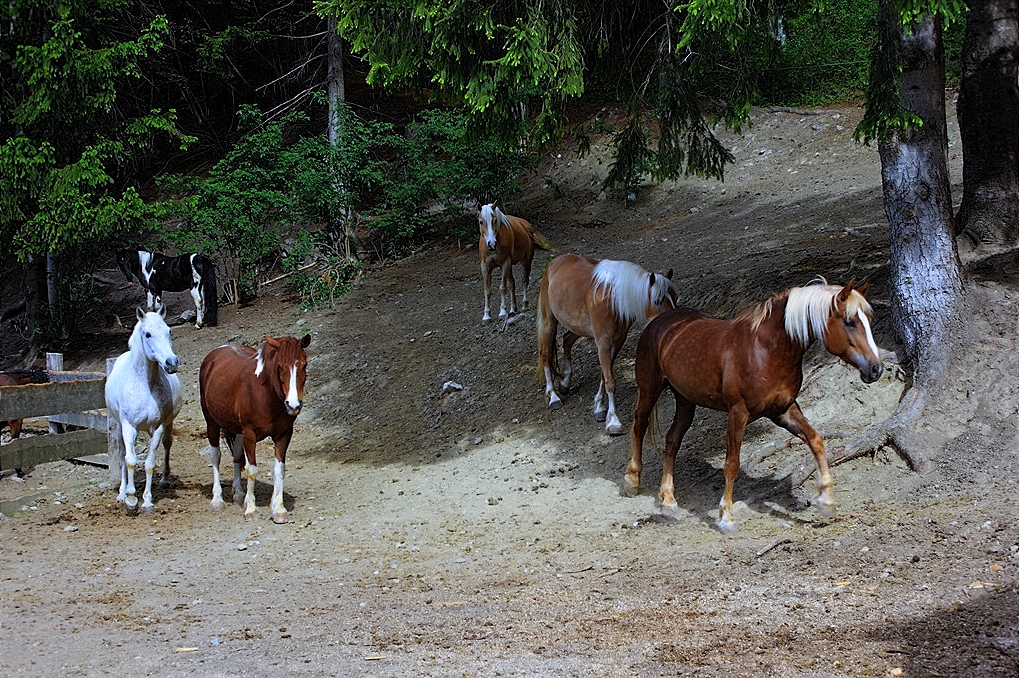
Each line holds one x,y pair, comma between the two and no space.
473,532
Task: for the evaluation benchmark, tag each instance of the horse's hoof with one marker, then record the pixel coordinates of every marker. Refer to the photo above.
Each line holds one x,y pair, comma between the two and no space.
251,517
631,487
485,321
555,405
165,484
826,509
217,505
145,508
670,510
615,430
599,416
239,499
280,518
727,527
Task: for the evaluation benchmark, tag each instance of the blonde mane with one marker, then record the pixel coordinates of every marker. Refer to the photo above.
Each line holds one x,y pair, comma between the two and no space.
807,309
627,286
492,210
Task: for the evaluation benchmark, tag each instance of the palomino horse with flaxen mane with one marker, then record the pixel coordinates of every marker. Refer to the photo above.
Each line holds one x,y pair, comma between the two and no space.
143,395
251,395
504,241
158,273
750,367
600,300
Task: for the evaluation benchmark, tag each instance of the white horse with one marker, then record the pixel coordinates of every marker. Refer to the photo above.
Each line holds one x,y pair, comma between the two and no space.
143,394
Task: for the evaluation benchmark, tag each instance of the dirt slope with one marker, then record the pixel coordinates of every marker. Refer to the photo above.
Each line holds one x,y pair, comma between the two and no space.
473,532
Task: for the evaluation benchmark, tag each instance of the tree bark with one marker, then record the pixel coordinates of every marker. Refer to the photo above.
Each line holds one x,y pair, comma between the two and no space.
925,280
988,112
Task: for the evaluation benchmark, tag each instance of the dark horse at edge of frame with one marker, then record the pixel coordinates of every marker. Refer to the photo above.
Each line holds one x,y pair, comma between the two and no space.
188,272
20,378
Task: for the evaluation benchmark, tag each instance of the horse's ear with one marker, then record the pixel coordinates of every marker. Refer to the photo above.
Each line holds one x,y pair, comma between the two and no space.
271,341
669,274
161,310
846,291
305,340
862,289
139,313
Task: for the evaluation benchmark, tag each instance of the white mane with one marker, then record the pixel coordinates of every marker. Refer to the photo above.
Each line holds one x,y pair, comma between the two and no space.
492,210
627,285
807,309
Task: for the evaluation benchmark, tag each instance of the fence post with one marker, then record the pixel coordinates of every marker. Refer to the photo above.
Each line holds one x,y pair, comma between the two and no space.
114,440
55,363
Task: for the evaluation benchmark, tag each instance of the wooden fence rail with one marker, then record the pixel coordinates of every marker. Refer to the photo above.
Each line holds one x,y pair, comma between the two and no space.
74,398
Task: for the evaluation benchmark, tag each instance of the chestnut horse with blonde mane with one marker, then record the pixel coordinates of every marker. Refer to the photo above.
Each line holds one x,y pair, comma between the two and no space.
503,241
600,300
251,395
750,367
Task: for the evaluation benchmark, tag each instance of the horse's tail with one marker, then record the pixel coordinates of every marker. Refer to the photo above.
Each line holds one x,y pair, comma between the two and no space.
547,327
210,291
541,242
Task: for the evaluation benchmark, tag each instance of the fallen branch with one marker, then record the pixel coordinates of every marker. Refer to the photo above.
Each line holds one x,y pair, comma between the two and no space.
775,544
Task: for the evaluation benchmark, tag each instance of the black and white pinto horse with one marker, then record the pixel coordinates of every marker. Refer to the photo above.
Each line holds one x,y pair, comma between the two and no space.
158,273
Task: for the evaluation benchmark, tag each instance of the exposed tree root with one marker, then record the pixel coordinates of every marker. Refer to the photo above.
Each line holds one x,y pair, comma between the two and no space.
897,431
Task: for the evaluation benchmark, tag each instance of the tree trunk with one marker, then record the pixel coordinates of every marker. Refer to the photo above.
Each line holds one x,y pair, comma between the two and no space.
926,286
35,292
340,216
988,112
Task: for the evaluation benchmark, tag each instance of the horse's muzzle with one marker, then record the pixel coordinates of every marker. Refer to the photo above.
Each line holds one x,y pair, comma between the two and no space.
871,372
293,411
491,245
171,365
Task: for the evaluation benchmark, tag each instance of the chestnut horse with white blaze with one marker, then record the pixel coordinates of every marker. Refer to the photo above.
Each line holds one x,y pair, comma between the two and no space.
251,395
503,241
750,367
600,300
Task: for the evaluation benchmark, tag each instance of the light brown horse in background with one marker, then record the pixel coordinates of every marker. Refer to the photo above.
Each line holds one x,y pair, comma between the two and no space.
750,367
251,395
503,241
600,300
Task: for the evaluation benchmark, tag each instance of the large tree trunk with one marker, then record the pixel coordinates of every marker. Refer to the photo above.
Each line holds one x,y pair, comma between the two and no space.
988,112
926,286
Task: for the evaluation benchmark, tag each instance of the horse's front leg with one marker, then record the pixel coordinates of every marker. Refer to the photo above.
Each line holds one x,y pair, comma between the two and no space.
236,444
507,288
127,489
738,418
155,439
793,421
250,473
279,511
526,264
486,283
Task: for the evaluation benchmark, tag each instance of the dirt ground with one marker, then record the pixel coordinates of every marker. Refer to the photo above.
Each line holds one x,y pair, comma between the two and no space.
472,532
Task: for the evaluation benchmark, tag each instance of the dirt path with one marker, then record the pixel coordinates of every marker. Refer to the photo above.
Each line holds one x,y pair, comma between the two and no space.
473,532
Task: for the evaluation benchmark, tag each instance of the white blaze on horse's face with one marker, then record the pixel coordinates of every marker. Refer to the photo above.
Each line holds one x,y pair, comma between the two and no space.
487,225
293,400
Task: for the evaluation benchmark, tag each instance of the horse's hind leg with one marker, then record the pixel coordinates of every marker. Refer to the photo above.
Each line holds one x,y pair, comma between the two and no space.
196,295
507,287
526,264
164,479
738,417
236,445
673,439
647,398
569,339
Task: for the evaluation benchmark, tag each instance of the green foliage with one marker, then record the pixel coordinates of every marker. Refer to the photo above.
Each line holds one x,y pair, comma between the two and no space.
331,276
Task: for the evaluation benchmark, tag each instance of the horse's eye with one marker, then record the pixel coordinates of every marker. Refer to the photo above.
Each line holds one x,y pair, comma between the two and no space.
851,324
148,335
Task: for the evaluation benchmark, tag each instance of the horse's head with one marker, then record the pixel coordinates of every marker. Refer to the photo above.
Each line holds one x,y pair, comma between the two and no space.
151,336
489,221
126,260
848,334
291,369
661,293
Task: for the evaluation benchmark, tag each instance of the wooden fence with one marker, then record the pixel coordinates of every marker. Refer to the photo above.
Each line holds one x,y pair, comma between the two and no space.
70,398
